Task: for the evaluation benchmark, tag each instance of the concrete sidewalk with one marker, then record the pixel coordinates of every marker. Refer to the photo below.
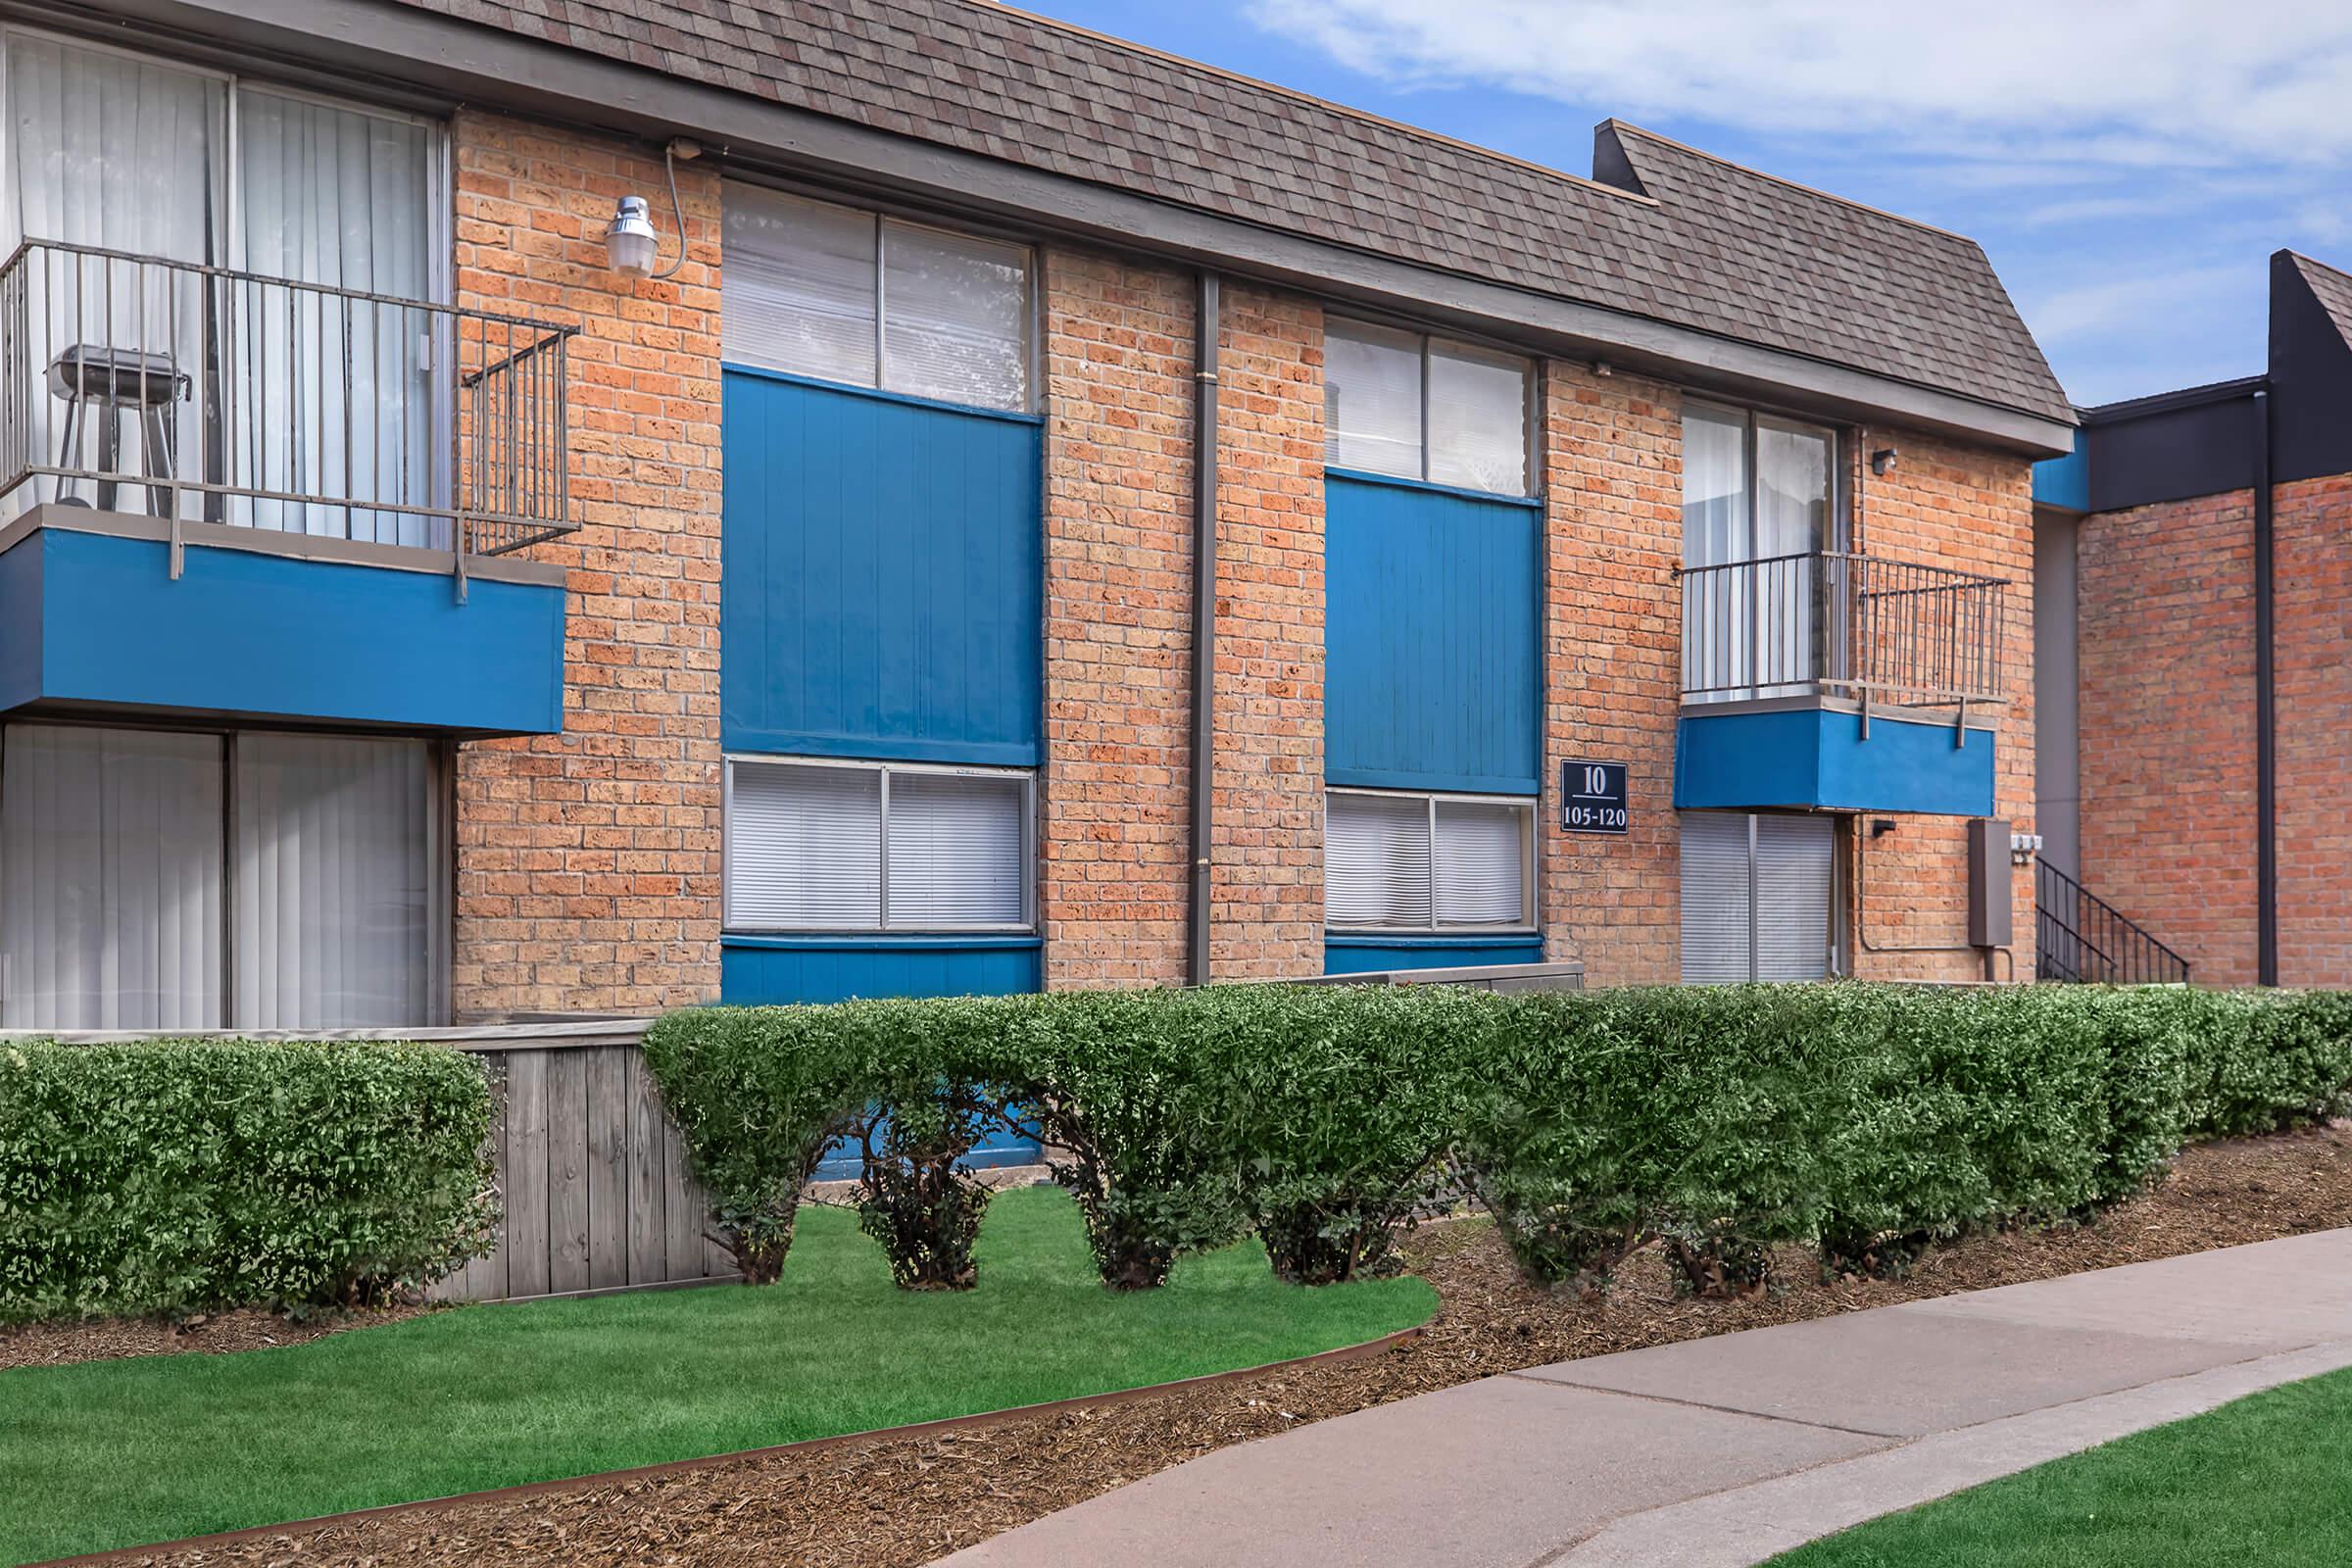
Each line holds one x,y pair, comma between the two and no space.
1727,1450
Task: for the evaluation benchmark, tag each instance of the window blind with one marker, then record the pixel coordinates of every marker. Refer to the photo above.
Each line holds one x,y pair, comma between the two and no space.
109,879
803,848
956,845
1376,865
799,290
1717,894
1480,864
955,318
1372,399
332,862
1477,418
1794,856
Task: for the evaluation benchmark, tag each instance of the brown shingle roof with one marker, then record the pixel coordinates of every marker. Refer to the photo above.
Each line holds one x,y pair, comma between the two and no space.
1717,248
2333,288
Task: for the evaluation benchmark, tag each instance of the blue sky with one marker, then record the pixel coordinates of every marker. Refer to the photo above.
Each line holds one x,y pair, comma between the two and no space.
2129,165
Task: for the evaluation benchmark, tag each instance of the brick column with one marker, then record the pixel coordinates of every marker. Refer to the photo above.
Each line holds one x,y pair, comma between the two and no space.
1947,505
1612,666
587,875
1267,881
1113,873
2311,519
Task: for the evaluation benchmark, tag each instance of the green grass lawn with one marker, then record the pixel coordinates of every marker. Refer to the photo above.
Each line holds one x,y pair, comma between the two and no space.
120,1453
2263,1483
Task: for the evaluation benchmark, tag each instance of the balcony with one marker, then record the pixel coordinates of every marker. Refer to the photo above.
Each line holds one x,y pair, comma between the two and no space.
248,496
1809,681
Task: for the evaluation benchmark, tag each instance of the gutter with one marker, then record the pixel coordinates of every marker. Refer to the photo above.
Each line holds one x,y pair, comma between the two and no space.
1203,837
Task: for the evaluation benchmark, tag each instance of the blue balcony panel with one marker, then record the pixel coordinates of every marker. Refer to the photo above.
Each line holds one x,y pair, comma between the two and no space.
1370,954
1817,759
760,970
264,626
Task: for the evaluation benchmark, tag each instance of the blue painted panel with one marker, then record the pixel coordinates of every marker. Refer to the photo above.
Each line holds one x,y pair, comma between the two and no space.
248,633
882,589
1817,759
1368,954
1432,674
19,624
2064,482
775,969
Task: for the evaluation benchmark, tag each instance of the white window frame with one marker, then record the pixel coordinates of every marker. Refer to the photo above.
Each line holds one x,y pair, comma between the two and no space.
1526,805
1530,420
882,926
883,224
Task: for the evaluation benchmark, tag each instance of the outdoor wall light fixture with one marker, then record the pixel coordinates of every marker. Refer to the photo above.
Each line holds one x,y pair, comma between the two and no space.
631,244
1882,461
1881,826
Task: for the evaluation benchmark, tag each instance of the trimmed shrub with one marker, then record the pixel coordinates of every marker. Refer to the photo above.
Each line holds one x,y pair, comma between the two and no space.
760,1093
1340,1106
177,1176
1117,1086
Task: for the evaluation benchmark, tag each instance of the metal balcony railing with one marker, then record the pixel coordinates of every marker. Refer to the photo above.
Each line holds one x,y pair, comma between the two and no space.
202,394
2081,938
1832,621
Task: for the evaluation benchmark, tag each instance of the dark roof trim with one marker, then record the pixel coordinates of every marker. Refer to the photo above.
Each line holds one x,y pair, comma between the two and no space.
505,70
2187,396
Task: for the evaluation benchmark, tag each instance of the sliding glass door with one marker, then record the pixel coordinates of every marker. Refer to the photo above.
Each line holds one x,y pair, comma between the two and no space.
269,385
1759,511
153,879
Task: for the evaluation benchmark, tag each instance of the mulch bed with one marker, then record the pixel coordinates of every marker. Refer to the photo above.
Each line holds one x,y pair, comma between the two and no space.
246,1328
898,1502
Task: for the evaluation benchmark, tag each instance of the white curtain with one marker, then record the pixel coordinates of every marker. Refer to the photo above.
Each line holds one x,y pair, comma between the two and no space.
956,849
109,879
111,150
1716,532
1793,519
332,862
803,848
334,396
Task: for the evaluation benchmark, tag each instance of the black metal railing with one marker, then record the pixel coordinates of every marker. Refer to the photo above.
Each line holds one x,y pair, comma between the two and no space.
198,393
1835,621
2081,938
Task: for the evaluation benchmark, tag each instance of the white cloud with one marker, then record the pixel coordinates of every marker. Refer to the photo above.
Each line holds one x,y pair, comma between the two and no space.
2140,82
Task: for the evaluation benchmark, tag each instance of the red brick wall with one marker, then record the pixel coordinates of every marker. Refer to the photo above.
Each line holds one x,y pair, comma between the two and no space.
587,874
1946,505
2312,573
1613,529
1115,856
2166,606
1266,906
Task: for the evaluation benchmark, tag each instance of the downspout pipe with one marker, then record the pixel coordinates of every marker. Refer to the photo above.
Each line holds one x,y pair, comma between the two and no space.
1205,622
2266,706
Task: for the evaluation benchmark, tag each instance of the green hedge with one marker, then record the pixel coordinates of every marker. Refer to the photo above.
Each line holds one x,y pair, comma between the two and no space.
175,1176
1865,1119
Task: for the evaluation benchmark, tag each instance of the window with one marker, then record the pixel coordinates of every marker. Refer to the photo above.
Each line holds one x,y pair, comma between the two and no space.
155,879
1427,862
289,392
842,295
1760,504
1758,897
1423,408
863,847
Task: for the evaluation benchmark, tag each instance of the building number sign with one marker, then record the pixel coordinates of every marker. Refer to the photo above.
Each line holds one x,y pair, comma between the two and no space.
1593,797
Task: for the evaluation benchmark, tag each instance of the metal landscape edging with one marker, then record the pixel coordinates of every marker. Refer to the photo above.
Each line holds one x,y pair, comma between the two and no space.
1361,1350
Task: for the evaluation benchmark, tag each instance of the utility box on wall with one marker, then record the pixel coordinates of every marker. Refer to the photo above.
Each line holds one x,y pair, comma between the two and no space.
1989,885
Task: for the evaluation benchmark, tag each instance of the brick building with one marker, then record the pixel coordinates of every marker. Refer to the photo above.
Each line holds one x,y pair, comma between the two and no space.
518,510
2192,581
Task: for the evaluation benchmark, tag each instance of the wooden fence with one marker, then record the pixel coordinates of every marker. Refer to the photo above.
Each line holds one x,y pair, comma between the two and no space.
592,1171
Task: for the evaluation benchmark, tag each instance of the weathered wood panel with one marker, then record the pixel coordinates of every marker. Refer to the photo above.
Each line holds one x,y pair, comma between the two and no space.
592,1172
